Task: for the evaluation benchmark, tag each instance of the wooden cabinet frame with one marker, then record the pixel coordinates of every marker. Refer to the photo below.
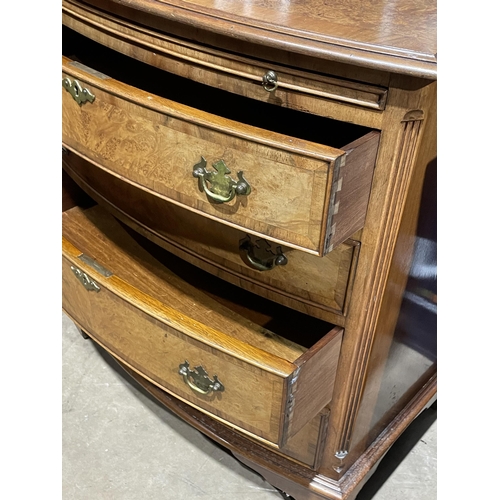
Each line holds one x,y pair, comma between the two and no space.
390,88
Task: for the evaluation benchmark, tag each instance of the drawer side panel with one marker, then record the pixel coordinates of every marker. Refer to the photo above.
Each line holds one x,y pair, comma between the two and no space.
310,388
351,190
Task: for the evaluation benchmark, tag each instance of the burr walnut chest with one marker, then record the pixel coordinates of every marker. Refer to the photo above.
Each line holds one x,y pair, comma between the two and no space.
249,219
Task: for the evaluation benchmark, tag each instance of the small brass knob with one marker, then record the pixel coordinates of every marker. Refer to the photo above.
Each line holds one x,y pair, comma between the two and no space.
270,81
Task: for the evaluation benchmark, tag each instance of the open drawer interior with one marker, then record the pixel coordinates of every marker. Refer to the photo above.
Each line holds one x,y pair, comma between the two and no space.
267,116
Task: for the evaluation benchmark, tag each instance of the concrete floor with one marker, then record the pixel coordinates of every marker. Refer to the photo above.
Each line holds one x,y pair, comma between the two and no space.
120,444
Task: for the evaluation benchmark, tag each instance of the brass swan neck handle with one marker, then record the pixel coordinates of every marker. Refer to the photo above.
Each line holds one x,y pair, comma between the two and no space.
199,380
217,185
260,255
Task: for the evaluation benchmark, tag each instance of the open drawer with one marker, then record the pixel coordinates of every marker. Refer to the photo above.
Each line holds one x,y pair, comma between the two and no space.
178,336
290,177
319,286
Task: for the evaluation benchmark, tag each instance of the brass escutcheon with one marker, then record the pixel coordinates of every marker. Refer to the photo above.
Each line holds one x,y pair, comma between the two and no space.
80,95
218,186
84,279
199,380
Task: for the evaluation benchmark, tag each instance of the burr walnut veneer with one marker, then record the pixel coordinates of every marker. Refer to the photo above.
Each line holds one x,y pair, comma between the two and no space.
247,190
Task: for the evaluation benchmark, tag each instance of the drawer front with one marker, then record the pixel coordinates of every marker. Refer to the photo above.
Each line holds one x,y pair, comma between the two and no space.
157,351
238,372
310,284
305,447
285,189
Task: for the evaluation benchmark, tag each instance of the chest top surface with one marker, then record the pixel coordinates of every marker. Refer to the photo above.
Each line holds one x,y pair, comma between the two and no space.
390,35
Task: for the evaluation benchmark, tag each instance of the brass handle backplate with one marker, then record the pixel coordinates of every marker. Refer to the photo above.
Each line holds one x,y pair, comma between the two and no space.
270,81
80,95
218,186
199,380
261,255
84,279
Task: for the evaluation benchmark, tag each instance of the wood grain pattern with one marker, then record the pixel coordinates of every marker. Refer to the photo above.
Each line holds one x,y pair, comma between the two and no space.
297,89
393,35
306,445
301,482
404,351
156,351
317,286
124,257
156,150
390,45
311,385
397,163
351,190
405,154
154,339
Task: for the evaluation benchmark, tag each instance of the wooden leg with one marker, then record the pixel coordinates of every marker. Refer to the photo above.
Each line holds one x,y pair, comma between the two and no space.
286,496
83,334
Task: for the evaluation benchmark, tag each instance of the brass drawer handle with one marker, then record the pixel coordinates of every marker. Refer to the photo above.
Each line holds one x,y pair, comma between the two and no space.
79,94
218,186
260,254
84,279
199,380
270,81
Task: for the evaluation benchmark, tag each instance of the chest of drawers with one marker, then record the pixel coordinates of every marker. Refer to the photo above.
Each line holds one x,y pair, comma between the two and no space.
260,181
